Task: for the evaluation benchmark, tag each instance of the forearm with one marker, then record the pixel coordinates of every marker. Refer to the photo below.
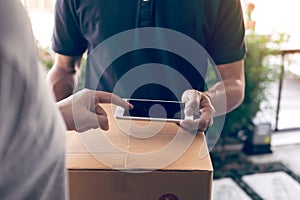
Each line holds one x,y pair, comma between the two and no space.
62,82
226,95
63,76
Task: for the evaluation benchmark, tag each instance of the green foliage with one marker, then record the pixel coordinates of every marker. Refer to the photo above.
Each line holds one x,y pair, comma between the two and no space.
259,73
81,80
47,61
45,57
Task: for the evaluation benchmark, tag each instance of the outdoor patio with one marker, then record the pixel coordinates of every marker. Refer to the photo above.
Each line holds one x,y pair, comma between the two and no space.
268,176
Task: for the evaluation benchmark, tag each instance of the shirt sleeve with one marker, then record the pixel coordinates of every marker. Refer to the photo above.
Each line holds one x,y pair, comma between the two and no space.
227,43
67,38
32,131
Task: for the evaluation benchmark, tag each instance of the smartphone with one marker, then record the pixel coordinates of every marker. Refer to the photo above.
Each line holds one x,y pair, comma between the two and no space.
159,110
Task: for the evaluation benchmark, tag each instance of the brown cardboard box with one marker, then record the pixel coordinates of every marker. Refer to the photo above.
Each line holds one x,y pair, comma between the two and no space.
138,167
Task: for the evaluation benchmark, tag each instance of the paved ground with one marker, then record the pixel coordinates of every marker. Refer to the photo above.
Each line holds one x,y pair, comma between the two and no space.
269,176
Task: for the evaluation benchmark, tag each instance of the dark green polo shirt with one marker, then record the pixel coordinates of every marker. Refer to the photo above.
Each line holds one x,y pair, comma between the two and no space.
217,25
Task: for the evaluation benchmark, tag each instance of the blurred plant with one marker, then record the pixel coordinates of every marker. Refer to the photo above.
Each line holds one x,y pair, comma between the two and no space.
249,22
81,81
47,59
45,56
258,75
260,72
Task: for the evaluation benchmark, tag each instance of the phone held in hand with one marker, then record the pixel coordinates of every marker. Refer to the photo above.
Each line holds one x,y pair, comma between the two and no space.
157,110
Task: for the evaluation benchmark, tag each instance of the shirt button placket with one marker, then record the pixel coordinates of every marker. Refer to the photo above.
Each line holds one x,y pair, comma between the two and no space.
146,13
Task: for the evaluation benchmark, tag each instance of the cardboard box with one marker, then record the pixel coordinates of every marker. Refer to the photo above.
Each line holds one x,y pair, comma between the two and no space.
136,164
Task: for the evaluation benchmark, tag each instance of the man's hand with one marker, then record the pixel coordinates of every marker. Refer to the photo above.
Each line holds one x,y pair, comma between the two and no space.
197,104
85,106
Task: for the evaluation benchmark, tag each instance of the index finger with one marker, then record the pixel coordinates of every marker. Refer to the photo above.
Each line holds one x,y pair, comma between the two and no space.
106,97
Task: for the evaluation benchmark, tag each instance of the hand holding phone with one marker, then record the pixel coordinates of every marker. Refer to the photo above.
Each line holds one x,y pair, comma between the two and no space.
200,106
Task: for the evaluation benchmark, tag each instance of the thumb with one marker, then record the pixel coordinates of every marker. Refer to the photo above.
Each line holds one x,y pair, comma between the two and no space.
102,122
92,120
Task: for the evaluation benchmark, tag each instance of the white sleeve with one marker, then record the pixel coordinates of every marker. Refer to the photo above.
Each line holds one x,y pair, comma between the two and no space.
32,132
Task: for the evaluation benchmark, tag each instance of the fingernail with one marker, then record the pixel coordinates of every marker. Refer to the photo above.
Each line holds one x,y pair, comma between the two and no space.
105,127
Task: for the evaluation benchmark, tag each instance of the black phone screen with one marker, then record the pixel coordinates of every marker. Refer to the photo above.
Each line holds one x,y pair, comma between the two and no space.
156,109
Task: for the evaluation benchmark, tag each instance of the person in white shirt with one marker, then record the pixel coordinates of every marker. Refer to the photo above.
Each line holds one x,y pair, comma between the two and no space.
32,130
